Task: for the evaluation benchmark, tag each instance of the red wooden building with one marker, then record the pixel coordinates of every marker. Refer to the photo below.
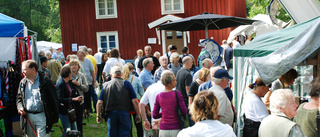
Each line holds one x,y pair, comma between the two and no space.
131,24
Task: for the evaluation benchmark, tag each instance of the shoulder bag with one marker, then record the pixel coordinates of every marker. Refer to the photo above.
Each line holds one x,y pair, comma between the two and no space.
181,118
72,115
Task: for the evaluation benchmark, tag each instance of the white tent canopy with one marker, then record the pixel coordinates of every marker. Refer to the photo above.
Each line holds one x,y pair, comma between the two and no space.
45,45
262,26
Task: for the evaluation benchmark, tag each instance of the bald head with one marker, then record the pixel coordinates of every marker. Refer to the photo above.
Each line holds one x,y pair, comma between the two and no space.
187,62
207,63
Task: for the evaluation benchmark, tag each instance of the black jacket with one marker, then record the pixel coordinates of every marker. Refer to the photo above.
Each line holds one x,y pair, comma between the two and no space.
49,98
63,95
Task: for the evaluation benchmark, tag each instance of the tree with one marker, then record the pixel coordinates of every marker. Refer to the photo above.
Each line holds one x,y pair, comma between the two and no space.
41,16
255,7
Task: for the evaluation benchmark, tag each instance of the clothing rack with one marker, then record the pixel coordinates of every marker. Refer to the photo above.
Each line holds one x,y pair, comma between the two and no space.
8,65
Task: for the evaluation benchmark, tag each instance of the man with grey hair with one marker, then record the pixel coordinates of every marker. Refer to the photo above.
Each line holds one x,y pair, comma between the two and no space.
117,98
184,80
90,75
148,54
149,97
220,82
207,85
90,51
163,67
207,63
145,76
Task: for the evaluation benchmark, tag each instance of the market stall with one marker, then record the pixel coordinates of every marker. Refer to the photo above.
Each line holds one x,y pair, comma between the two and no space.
15,47
271,55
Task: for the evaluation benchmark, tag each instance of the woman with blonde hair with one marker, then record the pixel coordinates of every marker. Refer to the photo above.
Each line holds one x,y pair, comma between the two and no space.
204,110
167,102
80,80
204,76
138,89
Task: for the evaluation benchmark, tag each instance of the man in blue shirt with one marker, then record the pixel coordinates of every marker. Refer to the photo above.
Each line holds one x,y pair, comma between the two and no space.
37,101
118,98
145,76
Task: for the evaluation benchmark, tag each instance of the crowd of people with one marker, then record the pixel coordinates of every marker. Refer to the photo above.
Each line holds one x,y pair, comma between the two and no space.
151,91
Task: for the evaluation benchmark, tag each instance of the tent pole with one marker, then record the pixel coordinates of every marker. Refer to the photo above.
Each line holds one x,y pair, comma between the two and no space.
206,31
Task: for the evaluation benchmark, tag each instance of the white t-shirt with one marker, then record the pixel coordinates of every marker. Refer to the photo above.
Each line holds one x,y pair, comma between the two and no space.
276,85
225,110
208,128
150,95
254,108
109,64
195,76
98,57
136,62
235,44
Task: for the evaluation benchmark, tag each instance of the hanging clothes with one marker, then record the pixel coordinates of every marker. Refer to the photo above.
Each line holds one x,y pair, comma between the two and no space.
27,39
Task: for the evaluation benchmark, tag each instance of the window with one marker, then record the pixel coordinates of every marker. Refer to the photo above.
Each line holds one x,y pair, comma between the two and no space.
106,9
172,6
108,40
179,34
169,34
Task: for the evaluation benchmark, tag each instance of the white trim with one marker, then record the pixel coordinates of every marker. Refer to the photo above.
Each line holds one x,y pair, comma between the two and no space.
158,35
163,32
163,20
115,15
184,39
188,36
108,33
163,12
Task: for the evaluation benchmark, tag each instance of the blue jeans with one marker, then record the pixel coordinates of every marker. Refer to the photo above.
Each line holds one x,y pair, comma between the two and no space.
119,123
94,97
66,124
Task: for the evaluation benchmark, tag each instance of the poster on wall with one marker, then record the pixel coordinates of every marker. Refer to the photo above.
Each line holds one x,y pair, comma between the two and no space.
81,46
152,41
74,47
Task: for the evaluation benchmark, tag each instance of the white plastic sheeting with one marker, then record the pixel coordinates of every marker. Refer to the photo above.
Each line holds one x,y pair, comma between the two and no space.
8,50
303,47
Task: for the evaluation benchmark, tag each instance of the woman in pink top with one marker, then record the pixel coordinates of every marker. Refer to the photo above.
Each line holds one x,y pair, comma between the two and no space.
166,100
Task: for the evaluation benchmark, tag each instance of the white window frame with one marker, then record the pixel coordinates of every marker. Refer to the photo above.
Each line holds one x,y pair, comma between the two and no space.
163,12
115,15
108,33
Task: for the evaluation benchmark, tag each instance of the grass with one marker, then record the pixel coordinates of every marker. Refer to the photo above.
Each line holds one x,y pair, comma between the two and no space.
91,129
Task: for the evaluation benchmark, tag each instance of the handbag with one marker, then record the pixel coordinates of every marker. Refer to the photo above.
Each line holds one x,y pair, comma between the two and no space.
181,118
72,115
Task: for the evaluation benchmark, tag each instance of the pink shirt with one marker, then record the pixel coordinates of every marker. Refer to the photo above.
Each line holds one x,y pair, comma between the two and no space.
167,102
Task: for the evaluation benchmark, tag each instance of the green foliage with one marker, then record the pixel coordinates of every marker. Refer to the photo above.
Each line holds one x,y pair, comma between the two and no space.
41,16
255,7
